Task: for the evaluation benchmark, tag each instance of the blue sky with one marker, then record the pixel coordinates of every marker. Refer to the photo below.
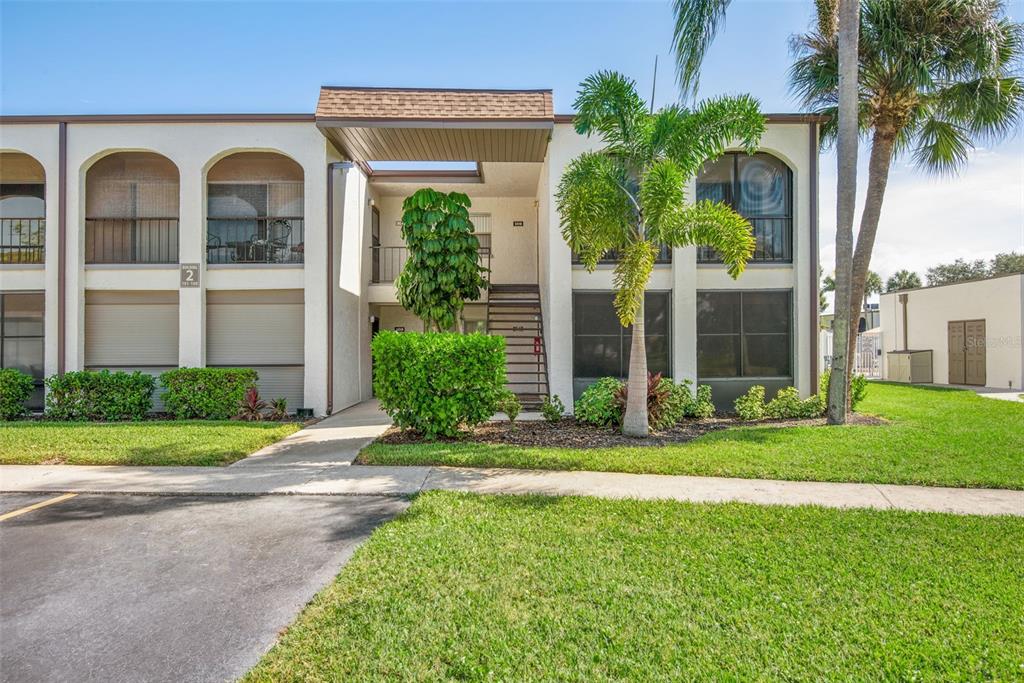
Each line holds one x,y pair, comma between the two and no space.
150,57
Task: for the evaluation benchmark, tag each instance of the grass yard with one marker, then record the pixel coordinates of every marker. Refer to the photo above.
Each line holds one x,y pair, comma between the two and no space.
135,443
513,588
938,437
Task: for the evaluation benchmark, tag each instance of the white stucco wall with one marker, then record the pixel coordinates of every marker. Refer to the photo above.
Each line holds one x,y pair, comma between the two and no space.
998,301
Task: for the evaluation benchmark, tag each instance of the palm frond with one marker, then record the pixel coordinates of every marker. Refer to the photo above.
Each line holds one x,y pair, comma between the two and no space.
696,23
608,104
661,193
941,147
636,261
712,224
597,213
714,125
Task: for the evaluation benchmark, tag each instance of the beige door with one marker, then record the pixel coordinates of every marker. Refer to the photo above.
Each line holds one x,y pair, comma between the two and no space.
974,365
957,355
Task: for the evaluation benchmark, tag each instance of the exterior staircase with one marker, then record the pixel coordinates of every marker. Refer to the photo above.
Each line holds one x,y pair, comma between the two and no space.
514,312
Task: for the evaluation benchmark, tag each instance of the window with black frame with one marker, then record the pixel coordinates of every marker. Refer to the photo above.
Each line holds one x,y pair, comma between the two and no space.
760,188
21,338
601,345
744,334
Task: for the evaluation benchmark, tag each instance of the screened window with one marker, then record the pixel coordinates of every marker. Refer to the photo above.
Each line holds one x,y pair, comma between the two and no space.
21,338
22,209
760,188
744,334
255,208
601,345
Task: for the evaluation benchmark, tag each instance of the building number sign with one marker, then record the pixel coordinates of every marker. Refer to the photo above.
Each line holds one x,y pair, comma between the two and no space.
189,275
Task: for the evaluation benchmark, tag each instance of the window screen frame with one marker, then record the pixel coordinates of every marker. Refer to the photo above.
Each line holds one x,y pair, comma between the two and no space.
790,333
625,334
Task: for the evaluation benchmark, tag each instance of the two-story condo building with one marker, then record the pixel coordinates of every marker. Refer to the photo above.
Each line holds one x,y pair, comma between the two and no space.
272,241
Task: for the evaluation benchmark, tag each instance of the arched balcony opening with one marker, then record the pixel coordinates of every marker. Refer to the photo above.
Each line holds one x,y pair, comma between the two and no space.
131,209
760,188
255,210
22,209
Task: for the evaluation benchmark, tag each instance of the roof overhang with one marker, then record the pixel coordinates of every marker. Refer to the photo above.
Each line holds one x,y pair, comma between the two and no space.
412,124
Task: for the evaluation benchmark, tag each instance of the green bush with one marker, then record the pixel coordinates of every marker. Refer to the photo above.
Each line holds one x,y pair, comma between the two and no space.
435,382
858,389
658,390
787,404
703,407
678,404
552,408
103,395
510,405
206,393
596,405
15,389
750,406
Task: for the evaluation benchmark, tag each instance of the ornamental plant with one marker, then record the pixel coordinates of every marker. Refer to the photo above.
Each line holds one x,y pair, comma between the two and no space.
103,395
206,393
437,382
15,389
443,270
597,406
750,406
552,408
628,197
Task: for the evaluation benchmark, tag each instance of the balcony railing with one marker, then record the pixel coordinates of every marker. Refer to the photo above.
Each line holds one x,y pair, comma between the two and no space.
774,242
387,262
22,240
255,240
131,240
664,256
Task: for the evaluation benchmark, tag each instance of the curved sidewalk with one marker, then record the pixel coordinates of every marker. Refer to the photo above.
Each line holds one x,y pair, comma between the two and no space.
317,461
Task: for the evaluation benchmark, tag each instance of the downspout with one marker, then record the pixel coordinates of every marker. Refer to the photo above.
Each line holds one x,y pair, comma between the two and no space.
813,144
330,288
62,231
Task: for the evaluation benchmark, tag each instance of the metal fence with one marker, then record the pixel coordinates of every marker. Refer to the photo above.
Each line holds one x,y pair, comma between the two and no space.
131,240
22,240
867,358
255,240
387,262
774,238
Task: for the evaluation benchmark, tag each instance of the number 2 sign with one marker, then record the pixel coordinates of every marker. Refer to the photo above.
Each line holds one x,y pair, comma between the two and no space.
189,275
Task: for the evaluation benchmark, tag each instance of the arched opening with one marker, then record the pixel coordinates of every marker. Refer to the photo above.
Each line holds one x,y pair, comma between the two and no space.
255,210
760,188
22,209
131,209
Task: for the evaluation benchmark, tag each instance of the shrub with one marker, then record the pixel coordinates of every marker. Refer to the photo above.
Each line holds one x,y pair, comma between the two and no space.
750,406
251,407
510,405
552,408
278,409
597,406
858,389
15,389
103,395
206,393
436,382
661,408
787,404
703,407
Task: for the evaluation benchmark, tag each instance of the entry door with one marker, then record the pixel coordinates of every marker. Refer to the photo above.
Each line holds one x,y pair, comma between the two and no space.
974,366
957,352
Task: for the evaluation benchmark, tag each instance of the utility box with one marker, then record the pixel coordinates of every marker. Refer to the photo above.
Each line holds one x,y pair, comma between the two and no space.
911,367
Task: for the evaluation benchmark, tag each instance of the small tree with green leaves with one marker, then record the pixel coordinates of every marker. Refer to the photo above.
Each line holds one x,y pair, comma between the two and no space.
628,197
443,270
902,279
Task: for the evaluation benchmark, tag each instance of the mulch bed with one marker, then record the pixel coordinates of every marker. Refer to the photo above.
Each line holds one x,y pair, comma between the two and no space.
568,433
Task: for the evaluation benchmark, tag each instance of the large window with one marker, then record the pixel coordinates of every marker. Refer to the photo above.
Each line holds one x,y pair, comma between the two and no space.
22,209
601,345
760,188
744,334
255,210
21,338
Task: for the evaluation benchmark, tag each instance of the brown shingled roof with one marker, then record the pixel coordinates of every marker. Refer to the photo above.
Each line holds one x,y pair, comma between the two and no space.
422,104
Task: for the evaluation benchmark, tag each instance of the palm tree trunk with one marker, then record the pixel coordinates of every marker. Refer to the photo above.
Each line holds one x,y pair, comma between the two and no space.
878,177
846,200
634,420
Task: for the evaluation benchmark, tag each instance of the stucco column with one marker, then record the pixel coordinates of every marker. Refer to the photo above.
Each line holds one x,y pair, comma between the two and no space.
684,314
192,249
558,317
314,169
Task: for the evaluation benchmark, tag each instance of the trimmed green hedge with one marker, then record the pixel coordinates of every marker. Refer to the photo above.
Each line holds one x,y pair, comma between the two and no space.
436,382
103,395
206,393
15,389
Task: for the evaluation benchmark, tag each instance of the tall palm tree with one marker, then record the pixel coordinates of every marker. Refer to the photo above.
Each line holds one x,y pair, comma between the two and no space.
696,22
935,77
902,279
628,197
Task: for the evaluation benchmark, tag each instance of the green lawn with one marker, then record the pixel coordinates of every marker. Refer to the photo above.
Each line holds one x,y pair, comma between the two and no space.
135,443
580,589
941,437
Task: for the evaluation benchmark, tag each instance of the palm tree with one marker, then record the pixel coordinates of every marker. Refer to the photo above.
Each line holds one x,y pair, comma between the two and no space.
902,279
935,76
628,197
696,22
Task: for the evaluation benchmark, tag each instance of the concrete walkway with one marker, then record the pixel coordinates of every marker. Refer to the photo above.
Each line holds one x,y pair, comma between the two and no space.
318,460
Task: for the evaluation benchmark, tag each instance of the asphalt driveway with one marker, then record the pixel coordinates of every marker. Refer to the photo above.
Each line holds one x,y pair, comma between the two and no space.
164,588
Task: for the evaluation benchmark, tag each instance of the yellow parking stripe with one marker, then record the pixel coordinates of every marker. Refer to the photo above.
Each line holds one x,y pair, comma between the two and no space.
36,506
